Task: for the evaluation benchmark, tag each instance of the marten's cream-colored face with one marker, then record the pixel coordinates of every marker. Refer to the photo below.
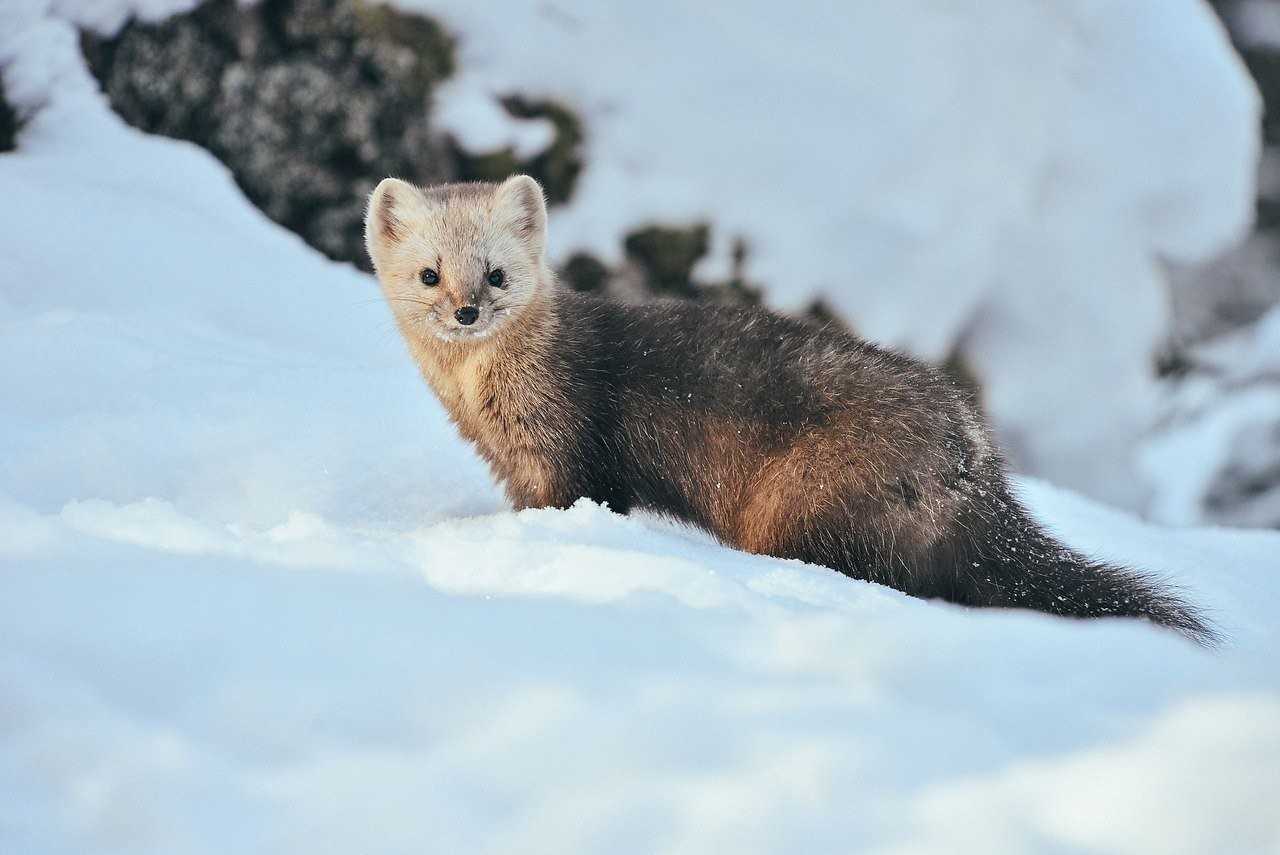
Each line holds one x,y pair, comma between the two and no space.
458,261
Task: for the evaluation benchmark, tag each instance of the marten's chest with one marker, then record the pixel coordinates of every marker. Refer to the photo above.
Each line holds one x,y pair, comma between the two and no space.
513,418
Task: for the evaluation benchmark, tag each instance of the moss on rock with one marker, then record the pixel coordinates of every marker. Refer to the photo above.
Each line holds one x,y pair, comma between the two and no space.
557,167
308,102
667,256
585,272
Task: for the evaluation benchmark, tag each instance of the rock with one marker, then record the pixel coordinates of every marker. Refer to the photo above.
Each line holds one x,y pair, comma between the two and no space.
585,272
10,123
308,102
667,256
556,168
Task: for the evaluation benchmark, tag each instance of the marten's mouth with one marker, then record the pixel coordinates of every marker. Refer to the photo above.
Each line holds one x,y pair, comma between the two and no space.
489,319
448,327
482,328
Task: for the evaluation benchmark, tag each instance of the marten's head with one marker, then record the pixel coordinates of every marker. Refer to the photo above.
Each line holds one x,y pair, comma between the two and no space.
458,261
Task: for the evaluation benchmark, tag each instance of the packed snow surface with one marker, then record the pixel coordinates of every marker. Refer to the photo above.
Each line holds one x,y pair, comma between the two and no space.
259,597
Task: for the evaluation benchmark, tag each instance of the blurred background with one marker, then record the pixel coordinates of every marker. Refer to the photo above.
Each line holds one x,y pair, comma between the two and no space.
1072,206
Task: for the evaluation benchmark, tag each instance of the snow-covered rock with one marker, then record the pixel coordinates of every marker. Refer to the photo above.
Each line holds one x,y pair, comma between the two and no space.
1217,456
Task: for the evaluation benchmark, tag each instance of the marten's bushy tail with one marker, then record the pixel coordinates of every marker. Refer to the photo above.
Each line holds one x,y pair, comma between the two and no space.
1002,557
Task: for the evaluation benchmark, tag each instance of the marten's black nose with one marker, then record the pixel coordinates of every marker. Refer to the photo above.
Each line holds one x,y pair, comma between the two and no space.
467,315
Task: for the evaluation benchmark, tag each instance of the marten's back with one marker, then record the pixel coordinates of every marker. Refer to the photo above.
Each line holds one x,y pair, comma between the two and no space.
741,362
696,398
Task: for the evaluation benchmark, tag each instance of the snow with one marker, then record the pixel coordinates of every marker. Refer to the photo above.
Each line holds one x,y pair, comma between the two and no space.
489,126
259,597
998,176
1258,22
1224,420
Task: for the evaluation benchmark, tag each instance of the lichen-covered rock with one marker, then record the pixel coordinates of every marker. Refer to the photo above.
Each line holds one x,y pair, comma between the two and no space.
667,256
10,124
164,77
1246,492
584,272
556,168
309,102
660,261
306,147
166,82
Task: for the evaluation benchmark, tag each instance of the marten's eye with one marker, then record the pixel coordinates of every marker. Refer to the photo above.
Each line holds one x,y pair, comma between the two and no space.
497,278
430,277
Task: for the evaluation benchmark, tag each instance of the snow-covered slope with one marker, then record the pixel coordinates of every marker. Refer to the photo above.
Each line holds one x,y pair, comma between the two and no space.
578,681
258,597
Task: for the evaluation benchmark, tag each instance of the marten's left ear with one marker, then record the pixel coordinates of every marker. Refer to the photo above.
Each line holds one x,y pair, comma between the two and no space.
391,206
519,203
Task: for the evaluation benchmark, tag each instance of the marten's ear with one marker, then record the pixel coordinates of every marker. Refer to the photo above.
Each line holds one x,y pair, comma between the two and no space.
519,203
390,204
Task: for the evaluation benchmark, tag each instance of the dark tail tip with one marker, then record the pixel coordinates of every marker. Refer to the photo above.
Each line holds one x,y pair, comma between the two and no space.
1161,604
1105,590
1023,566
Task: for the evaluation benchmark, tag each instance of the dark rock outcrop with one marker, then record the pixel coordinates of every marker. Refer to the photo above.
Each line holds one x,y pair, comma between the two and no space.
310,103
10,123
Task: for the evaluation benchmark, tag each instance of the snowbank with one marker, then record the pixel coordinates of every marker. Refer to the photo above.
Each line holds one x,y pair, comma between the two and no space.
555,681
258,597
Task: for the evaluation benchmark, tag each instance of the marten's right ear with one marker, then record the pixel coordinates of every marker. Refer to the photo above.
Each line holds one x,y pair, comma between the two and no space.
520,204
385,219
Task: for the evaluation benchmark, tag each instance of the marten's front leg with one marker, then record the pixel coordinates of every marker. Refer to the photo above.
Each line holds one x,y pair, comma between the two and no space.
542,490
557,489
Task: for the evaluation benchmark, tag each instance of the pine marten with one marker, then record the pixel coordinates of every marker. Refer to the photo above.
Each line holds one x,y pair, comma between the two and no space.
779,436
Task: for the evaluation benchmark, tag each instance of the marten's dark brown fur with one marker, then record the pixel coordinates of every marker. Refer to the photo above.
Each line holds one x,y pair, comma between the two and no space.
778,436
